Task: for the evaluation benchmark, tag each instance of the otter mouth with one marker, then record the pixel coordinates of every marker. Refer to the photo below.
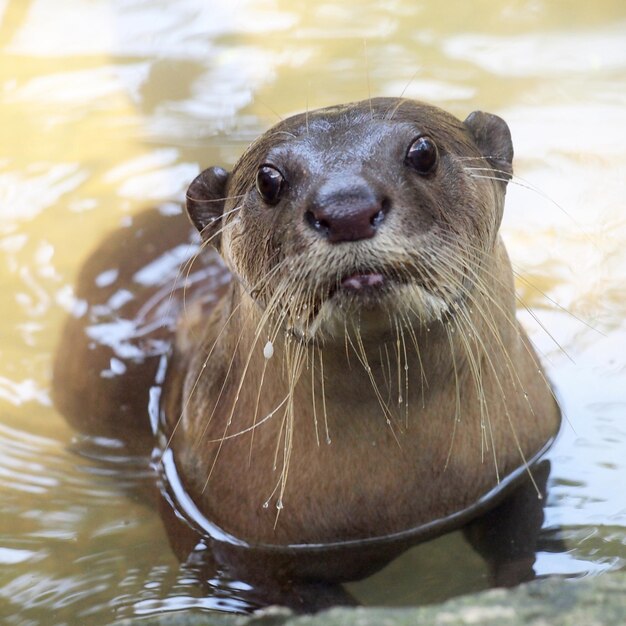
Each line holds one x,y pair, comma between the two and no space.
355,291
359,283
363,287
362,294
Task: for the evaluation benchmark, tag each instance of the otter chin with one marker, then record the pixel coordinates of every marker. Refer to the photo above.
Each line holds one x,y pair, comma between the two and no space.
362,375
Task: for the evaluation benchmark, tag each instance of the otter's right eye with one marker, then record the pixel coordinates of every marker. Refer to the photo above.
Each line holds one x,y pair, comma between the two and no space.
269,183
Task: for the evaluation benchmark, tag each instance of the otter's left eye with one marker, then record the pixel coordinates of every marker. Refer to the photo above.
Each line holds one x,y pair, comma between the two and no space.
269,183
422,155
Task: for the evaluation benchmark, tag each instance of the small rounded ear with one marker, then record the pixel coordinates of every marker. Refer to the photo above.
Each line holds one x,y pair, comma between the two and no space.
205,203
492,136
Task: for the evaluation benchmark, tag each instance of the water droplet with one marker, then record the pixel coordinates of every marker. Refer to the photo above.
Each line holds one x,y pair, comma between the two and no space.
279,504
266,504
268,350
406,367
328,440
400,399
388,422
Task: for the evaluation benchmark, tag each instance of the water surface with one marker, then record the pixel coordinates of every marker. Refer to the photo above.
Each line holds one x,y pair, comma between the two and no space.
107,107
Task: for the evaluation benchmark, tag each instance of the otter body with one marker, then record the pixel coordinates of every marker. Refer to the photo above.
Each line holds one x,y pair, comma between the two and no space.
363,373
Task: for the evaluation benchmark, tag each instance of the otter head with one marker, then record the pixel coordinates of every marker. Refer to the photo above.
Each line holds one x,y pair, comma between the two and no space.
344,213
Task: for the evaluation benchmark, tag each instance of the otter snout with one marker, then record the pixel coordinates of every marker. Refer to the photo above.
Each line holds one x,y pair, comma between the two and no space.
346,212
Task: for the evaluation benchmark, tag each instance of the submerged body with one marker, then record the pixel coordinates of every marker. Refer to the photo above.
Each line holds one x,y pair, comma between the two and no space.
363,374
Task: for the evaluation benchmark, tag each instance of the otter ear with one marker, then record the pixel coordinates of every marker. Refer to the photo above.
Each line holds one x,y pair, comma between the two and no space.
493,138
205,203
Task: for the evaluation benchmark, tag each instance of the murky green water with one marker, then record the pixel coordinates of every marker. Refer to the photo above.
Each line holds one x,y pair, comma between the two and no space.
108,106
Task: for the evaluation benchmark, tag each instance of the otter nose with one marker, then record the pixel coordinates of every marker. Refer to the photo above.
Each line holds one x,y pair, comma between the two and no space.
346,214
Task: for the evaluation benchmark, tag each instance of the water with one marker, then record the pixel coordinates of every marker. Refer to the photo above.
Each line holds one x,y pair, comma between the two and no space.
107,107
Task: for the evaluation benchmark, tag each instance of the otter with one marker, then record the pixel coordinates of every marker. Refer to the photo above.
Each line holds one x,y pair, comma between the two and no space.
350,369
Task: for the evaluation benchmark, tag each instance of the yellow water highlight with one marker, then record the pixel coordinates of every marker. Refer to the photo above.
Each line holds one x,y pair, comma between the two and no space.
106,108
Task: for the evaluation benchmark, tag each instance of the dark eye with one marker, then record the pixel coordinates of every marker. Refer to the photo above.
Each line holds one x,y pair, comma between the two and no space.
422,155
269,183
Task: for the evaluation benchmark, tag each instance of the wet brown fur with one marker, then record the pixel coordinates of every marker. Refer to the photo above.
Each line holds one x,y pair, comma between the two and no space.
381,414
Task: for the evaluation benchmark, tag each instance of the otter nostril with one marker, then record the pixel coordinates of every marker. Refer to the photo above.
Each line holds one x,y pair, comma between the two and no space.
377,218
323,225
319,225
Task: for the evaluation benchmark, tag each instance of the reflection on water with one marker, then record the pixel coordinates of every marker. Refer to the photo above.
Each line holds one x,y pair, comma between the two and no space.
107,106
